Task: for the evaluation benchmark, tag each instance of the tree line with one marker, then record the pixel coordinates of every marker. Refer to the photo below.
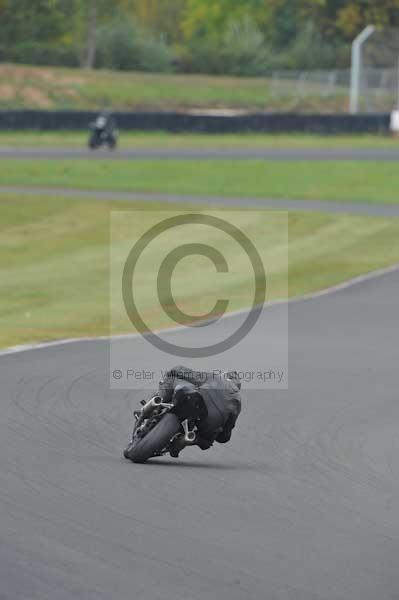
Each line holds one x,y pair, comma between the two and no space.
251,37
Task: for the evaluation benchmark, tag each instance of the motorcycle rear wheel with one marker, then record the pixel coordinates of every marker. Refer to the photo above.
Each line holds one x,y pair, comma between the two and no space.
156,440
111,141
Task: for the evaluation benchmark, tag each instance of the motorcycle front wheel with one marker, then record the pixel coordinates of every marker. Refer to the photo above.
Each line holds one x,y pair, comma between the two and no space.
156,440
93,141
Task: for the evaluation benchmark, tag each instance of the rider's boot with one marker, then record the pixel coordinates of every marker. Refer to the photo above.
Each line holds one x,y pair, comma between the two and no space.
177,446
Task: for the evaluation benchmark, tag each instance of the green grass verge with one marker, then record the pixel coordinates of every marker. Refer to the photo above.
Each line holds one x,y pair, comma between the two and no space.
54,263
23,86
349,181
149,140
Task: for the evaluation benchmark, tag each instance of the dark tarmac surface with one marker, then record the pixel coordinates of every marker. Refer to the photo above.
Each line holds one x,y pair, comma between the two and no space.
390,155
324,206
303,504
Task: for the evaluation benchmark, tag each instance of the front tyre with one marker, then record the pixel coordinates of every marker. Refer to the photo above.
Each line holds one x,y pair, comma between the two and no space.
93,141
155,441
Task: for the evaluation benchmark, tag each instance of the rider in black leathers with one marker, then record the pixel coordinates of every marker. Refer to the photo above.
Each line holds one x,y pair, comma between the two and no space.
103,131
217,394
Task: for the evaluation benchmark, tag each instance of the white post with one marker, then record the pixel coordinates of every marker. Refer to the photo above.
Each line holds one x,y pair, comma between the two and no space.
397,99
356,66
394,126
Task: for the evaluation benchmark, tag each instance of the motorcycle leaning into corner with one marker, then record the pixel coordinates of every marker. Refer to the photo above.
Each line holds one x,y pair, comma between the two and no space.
184,415
103,132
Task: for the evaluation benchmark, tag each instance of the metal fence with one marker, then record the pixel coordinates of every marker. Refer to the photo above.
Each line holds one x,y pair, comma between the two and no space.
378,88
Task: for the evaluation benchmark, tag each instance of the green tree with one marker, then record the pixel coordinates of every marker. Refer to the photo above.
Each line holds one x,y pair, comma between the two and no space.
37,31
354,16
124,45
162,16
210,17
346,18
93,14
31,20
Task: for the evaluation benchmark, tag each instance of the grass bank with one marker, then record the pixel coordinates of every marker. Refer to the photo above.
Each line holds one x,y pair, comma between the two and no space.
52,88
54,263
350,181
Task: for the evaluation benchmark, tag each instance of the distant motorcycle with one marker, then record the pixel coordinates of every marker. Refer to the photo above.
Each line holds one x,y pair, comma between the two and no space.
103,132
159,425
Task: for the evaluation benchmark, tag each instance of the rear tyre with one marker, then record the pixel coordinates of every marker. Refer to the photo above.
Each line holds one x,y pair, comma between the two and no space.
155,441
111,142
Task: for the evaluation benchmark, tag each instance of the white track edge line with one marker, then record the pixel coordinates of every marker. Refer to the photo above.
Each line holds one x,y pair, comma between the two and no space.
314,295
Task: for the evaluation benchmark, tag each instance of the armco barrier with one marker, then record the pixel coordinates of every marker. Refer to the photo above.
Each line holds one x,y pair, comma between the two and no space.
190,122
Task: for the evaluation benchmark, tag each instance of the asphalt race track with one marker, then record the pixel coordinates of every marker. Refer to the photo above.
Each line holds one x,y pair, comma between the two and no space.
324,206
320,154
303,504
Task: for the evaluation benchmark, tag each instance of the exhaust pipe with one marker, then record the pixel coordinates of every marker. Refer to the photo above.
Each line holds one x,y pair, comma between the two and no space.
190,438
151,405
